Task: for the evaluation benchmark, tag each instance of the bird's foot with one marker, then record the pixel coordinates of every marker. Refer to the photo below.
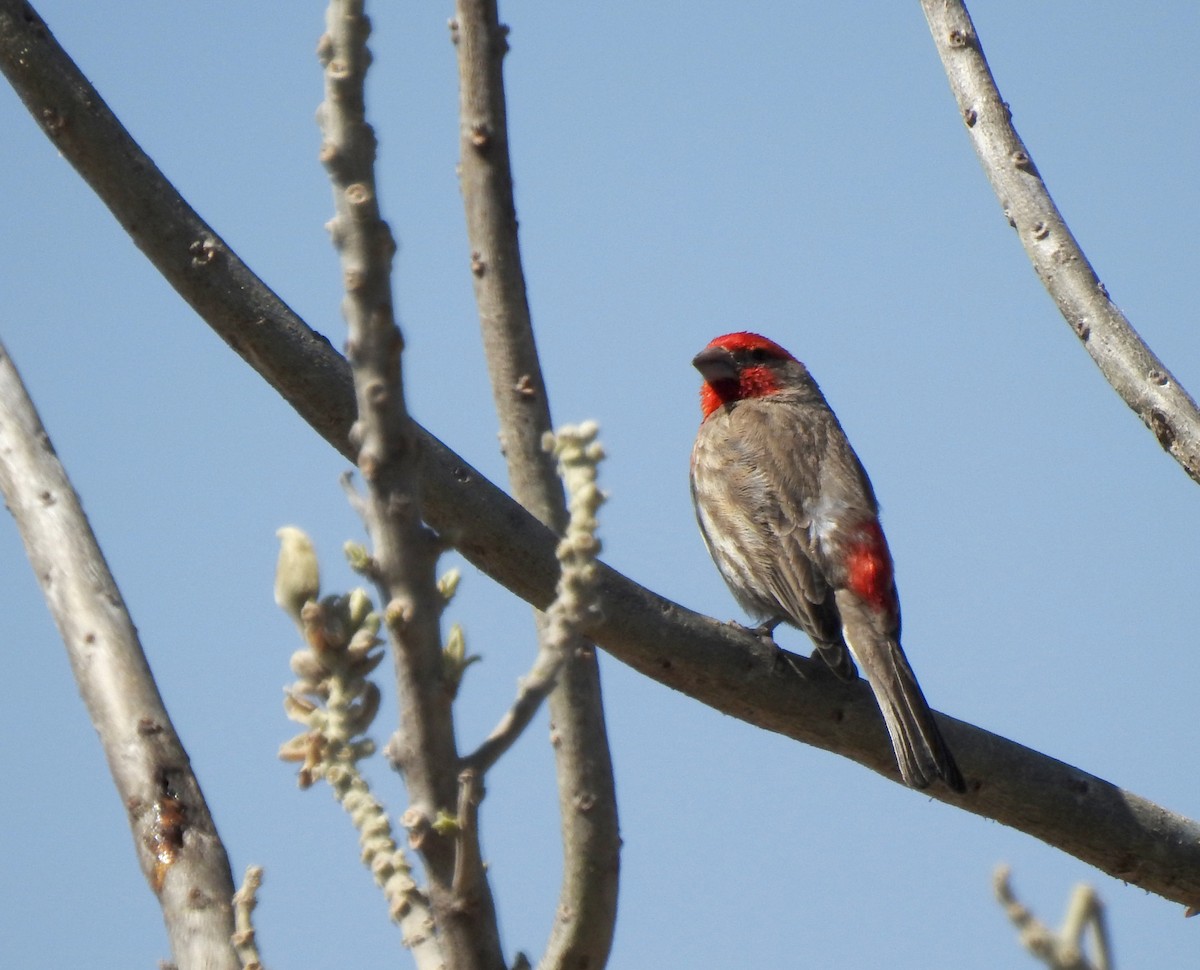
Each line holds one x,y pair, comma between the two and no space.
770,652
766,631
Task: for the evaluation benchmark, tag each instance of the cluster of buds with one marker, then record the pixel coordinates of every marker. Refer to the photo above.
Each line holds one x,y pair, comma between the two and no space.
336,703
579,454
333,698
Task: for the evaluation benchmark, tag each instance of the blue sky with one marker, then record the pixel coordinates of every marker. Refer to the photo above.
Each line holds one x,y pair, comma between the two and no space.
682,171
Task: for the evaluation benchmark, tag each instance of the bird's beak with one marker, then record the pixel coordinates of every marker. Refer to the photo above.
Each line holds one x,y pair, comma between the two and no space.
716,364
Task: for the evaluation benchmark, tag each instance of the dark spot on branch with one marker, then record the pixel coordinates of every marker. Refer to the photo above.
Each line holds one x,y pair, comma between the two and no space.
53,121
1158,377
1126,867
165,839
1160,424
970,116
204,251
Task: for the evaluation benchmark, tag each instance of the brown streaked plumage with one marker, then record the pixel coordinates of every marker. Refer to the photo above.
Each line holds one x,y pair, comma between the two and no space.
790,518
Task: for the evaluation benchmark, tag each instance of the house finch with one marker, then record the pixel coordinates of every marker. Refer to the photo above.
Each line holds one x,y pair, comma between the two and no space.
790,518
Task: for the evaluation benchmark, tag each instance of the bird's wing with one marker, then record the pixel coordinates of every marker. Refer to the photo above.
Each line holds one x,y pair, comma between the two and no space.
780,470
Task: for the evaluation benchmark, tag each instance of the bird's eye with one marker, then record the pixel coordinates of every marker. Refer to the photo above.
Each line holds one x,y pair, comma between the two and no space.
758,354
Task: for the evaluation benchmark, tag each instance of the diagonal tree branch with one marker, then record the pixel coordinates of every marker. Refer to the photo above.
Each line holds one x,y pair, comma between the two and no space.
1139,377
587,907
1120,833
183,247
177,844
405,551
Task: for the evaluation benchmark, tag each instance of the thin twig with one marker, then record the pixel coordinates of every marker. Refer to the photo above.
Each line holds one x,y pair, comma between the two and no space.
244,902
579,454
587,907
1063,950
468,863
1139,377
532,689
1086,919
1121,833
389,460
176,841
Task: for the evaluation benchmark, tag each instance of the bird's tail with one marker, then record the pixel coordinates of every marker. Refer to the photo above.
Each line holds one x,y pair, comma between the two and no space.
921,751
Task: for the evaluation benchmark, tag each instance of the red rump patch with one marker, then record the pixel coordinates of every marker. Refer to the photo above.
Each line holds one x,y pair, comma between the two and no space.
869,567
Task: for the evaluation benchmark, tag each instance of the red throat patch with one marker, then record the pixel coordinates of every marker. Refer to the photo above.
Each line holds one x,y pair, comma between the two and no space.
751,382
869,568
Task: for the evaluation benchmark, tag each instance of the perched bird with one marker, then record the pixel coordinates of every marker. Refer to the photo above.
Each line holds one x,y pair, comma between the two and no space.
790,519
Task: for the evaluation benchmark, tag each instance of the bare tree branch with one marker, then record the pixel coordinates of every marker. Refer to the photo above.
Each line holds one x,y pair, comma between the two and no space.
1140,378
587,907
177,844
389,457
1120,833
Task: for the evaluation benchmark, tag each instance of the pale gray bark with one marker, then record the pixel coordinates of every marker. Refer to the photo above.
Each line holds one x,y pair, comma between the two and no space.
587,905
404,550
1127,363
174,837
